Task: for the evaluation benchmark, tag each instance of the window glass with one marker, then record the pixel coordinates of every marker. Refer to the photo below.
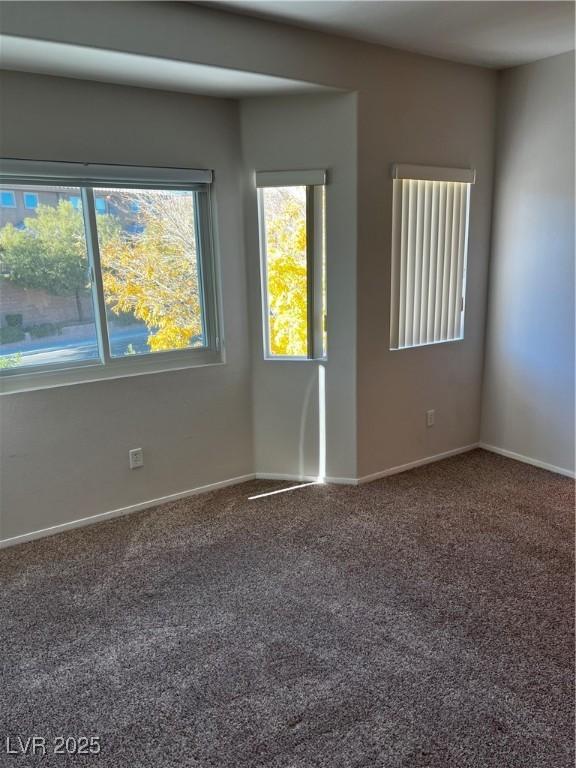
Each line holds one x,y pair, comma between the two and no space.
149,256
285,269
104,276
30,200
7,198
324,297
46,308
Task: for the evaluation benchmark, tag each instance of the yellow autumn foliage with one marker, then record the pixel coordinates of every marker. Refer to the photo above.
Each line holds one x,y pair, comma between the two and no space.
287,284
154,276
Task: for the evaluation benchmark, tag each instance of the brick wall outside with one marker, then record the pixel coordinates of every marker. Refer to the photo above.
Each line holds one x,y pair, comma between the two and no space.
38,307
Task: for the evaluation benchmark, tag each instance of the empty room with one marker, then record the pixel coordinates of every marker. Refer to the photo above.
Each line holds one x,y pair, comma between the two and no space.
287,384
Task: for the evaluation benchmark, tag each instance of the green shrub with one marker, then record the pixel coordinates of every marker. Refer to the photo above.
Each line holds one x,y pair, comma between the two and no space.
10,361
10,334
43,329
14,321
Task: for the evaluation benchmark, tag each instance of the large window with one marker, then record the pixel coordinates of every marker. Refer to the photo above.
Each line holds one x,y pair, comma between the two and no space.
118,276
293,264
429,249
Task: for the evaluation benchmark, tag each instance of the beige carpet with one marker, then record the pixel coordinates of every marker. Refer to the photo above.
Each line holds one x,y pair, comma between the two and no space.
421,620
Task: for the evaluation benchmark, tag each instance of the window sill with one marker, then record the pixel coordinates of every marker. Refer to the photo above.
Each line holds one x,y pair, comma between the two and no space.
286,359
30,381
427,344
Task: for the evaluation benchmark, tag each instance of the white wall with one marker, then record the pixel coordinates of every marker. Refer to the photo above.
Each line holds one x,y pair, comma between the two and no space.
409,108
433,113
65,451
528,404
290,134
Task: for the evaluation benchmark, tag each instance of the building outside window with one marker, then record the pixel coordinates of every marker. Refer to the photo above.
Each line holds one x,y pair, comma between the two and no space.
101,205
7,198
30,200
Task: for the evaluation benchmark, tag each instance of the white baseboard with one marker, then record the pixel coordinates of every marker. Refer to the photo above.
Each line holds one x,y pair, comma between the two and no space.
417,463
367,478
305,478
103,516
343,480
527,460
287,478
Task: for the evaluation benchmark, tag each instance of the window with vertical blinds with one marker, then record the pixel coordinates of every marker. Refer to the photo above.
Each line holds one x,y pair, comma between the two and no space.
429,246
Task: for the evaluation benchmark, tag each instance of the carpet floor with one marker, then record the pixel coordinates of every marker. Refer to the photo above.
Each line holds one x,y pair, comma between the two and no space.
421,620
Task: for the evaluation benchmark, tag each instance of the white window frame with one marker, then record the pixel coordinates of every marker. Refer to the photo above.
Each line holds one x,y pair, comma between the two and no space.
89,177
315,183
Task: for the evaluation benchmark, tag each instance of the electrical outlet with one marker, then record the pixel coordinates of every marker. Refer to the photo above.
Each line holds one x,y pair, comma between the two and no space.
136,457
430,418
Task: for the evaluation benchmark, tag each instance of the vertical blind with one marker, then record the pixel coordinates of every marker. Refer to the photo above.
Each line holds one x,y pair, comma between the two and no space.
429,246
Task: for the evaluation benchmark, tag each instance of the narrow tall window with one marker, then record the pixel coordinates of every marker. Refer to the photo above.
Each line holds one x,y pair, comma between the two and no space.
113,275
293,264
429,249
